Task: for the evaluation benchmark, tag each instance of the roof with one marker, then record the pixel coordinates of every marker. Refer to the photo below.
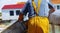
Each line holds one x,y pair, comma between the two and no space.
14,6
21,2
55,1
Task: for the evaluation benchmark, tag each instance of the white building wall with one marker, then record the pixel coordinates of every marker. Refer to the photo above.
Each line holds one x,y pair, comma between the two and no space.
57,11
6,14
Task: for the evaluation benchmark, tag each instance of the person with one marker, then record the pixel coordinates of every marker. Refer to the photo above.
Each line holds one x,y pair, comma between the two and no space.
40,23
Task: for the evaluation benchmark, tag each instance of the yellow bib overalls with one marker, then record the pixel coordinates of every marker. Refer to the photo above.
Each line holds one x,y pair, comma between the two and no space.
38,24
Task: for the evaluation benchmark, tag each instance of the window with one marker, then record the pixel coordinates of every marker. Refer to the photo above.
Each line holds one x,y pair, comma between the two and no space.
11,13
58,6
17,12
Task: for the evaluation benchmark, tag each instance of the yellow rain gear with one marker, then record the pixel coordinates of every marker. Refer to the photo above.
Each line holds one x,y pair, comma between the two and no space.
38,24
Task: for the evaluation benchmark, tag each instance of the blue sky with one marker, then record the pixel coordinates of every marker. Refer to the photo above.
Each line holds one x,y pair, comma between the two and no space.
6,2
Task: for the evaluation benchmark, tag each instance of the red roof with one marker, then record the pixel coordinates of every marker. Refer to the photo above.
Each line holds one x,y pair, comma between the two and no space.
55,1
14,6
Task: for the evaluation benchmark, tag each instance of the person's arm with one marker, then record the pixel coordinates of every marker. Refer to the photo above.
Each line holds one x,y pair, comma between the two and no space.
51,9
20,17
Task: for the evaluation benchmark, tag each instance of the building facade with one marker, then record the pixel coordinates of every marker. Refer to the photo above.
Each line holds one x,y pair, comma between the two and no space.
11,12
